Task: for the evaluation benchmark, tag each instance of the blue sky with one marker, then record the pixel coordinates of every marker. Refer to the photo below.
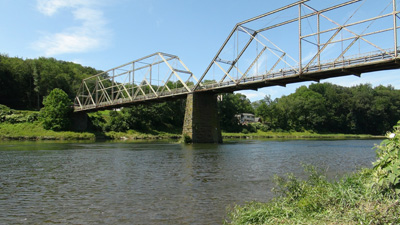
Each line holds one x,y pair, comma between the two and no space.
107,33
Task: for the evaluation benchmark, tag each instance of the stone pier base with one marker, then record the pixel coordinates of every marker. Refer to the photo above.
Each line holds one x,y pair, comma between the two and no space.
201,124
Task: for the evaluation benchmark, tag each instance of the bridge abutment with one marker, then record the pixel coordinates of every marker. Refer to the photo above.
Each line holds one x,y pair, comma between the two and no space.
201,124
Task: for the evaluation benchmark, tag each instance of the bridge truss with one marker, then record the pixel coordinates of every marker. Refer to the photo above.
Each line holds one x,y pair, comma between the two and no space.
312,44
156,76
291,44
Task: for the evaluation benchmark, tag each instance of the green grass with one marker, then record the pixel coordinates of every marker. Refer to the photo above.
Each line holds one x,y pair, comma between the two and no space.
316,200
134,135
35,131
286,134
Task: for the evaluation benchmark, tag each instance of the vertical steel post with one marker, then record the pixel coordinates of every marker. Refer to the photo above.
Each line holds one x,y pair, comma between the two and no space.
133,78
151,71
300,51
112,86
97,92
395,27
319,38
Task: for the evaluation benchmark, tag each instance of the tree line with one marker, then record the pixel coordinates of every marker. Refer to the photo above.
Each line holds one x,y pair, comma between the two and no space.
24,82
329,108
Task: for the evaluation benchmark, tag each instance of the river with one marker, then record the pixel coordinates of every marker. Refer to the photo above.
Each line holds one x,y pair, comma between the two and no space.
155,182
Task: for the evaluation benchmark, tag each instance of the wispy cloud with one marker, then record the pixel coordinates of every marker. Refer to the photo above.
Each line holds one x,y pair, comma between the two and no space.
90,35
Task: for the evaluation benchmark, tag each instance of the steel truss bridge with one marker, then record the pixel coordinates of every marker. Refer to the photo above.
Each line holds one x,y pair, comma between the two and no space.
263,51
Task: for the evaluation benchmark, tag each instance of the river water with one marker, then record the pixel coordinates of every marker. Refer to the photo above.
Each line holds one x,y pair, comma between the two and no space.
155,182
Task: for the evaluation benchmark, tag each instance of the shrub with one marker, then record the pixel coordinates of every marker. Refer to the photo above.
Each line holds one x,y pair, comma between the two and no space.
32,117
386,172
15,118
97,121
56,113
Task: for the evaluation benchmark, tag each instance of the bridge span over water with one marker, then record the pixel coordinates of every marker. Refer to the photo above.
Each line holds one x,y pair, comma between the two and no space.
267,50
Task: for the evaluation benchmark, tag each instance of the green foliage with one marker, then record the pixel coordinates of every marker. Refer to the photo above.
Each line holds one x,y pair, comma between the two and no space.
4,112
27,81
32,117
13,116
56,113
229,106
118,122
97,122
386,174
249,128
328,108
166,116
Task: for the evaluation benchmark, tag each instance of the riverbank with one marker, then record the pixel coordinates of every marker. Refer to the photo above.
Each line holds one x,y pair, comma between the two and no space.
297,135
35,131
351,200
369,196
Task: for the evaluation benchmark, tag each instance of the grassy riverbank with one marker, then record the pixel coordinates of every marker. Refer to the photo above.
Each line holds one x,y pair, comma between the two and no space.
35,131
370,196
25,125
294,135
318,201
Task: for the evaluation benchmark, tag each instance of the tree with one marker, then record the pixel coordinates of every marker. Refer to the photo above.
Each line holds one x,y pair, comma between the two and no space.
57,110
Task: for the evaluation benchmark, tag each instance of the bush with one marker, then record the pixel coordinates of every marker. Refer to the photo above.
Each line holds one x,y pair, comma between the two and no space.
262,127
97,121
117,122
15,118
386,173
56,113
4,112
32,117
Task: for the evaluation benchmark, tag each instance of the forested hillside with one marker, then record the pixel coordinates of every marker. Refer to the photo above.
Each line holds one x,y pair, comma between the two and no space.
24,82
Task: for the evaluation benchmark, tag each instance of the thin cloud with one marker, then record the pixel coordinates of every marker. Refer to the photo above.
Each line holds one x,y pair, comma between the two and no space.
90,35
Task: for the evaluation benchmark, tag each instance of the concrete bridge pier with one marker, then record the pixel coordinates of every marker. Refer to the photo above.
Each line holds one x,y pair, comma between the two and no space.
201,124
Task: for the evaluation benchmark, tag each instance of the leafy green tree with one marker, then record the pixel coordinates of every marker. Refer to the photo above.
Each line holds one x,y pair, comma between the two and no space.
56,113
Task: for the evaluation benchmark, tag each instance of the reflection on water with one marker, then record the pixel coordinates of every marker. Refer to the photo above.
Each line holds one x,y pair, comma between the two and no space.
155,183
